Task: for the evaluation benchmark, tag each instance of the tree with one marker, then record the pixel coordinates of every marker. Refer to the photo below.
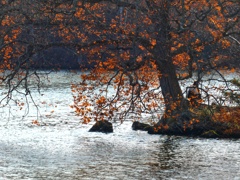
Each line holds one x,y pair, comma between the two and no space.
158,40
140,50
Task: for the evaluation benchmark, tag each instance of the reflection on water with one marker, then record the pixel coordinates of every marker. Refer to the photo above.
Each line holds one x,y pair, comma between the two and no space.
187,158
64,149
59,152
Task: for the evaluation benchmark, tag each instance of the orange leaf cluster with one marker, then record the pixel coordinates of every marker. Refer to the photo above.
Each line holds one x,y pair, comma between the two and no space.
101,100
181,59
230,116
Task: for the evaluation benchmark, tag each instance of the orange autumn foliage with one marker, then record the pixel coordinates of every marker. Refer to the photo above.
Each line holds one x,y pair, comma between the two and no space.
229,116
130,47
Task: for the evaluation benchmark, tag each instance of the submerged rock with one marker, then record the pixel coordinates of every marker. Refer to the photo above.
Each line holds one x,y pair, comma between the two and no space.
102,126
140,126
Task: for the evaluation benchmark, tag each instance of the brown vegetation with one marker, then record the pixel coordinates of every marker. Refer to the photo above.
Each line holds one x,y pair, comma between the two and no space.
203,121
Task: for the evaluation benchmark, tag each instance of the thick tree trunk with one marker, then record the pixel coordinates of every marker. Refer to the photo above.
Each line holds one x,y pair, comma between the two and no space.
175,104
172,93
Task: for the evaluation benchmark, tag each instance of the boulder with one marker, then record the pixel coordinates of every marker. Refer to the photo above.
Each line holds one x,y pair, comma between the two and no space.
102,126
140,126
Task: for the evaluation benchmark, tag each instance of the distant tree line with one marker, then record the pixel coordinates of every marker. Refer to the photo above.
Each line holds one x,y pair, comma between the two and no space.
44,24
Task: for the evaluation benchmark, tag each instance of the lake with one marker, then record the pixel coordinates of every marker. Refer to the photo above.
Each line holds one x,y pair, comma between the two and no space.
62,148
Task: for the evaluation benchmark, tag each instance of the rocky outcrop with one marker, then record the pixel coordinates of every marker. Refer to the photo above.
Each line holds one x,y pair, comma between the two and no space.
102,126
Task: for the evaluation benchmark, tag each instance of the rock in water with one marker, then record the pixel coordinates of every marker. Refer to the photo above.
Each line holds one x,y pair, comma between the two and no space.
102,126
140,126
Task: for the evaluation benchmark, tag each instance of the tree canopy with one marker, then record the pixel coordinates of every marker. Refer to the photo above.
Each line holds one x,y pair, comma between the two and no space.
138,51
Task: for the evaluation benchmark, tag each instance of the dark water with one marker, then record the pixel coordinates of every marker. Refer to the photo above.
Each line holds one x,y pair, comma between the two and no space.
62,147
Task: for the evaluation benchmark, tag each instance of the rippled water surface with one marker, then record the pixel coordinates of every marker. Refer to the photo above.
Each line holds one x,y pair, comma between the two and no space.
62,148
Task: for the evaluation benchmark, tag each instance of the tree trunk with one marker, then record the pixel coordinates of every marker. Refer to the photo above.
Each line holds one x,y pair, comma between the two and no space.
171,91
